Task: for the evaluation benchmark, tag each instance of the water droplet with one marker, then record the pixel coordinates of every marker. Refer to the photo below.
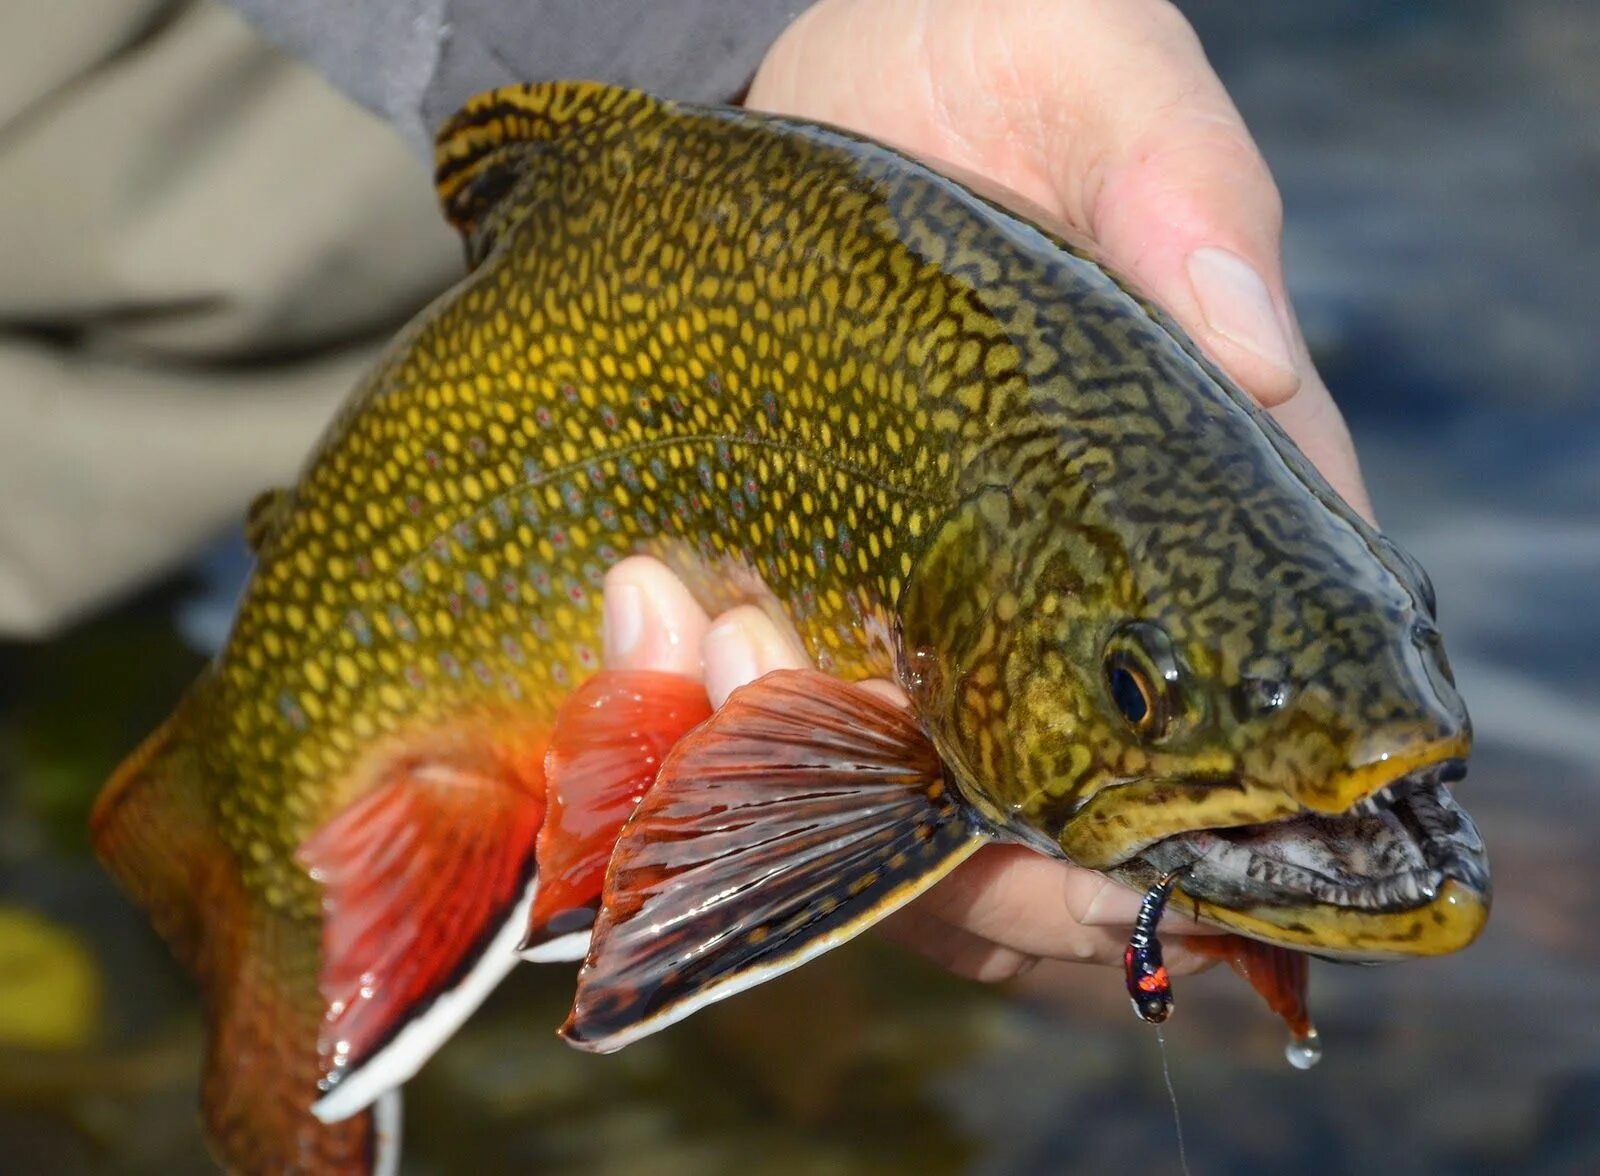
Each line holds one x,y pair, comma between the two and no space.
1304,1052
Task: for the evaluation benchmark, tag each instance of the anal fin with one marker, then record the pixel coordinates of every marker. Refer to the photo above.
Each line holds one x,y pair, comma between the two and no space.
427,881
610,738
802,812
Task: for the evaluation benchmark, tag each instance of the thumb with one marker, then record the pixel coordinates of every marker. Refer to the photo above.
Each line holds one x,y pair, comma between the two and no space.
1189,212
1185,206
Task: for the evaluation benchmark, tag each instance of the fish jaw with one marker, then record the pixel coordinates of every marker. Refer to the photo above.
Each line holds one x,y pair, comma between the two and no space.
1121,820
1400,872
1451,921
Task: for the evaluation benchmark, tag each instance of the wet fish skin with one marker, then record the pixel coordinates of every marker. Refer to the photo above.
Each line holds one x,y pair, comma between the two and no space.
942,443
673,378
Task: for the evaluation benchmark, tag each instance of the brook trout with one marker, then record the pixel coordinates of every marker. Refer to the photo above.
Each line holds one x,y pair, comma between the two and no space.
1138,630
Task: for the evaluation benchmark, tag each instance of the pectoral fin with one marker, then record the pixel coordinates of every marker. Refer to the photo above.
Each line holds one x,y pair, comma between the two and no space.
427,881
610,739
801,813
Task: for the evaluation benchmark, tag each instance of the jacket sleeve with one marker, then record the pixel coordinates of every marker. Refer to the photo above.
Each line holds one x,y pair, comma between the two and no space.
416,61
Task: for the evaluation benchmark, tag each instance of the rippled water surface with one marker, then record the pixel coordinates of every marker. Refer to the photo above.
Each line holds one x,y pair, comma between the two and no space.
1441,166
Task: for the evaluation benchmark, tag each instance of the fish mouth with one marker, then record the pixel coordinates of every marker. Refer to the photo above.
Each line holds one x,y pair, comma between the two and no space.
1401,872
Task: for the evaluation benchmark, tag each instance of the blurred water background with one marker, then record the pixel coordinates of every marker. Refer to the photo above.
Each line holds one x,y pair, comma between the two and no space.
1440,161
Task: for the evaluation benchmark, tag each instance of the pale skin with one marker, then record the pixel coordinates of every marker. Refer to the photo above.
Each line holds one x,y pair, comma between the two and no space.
1105,115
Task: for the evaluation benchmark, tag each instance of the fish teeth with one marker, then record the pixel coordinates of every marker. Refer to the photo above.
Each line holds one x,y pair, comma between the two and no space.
1376,803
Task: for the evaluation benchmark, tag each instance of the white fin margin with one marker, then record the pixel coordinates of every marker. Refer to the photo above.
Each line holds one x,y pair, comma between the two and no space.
740,981
387,1125
417,1041
562,949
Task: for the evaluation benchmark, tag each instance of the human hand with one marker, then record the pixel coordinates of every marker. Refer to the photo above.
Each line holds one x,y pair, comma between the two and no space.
1107,117
998,912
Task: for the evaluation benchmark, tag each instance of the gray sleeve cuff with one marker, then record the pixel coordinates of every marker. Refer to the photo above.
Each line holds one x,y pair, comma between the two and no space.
416,61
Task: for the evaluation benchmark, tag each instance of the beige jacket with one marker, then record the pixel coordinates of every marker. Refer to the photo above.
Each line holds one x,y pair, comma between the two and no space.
201,245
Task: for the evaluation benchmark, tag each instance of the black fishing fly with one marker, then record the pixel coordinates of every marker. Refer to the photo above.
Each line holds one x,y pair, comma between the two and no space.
1149,987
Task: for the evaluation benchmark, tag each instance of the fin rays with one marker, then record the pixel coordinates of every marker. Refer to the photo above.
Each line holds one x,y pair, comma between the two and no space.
802,812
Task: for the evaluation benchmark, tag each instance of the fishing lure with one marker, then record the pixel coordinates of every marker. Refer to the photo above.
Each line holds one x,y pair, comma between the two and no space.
1149,986
1279,975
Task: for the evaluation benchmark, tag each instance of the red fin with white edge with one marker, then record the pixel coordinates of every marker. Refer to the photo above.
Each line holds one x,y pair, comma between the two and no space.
610,739
1280,975
427,883
802,812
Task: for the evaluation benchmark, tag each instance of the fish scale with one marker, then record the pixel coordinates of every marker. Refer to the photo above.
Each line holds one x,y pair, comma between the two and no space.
551,381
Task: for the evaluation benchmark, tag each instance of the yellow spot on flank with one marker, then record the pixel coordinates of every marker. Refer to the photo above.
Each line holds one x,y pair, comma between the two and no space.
347,670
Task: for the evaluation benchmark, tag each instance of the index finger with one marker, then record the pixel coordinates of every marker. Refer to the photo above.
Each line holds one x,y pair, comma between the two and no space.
1037,906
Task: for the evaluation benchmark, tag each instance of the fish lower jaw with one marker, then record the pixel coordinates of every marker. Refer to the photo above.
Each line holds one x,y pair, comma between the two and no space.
1364,883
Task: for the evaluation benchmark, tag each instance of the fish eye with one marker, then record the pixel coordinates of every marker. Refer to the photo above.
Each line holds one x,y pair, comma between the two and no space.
1131,692
1142,678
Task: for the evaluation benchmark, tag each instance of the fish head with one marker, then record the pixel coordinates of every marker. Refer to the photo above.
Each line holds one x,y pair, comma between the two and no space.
1248,687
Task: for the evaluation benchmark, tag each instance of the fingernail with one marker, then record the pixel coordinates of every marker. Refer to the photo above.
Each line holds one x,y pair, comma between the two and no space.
730,660
1114,906
1237,305
623,614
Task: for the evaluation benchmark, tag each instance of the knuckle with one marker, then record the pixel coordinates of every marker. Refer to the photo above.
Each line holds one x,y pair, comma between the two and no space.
991,965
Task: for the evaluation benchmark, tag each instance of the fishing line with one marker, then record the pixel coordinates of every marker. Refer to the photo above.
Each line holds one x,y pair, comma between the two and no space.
1172,1097
1149,986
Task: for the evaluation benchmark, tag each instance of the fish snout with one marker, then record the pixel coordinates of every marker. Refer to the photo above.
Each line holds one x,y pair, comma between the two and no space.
1339,738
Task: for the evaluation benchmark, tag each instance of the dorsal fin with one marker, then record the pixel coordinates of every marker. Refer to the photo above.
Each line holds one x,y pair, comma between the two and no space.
481,153
261,519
